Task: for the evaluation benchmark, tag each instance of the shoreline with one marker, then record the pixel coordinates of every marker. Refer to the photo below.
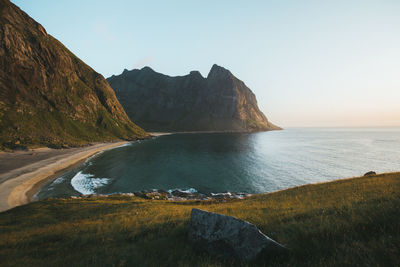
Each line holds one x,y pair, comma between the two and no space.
20,182
354,208
179,195
20,185
31,194
155,134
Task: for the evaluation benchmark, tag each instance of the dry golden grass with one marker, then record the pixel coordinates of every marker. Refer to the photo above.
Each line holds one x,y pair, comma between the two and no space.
350,222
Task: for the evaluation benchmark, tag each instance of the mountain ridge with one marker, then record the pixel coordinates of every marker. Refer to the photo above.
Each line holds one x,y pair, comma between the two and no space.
48,96
218,102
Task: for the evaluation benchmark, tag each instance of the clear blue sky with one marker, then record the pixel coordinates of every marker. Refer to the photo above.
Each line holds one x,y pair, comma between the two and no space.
310,63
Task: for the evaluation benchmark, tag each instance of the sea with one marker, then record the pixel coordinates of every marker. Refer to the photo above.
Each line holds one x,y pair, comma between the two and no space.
232,162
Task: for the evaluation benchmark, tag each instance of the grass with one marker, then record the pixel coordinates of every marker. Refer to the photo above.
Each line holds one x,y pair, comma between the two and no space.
48,96
350,222
57,130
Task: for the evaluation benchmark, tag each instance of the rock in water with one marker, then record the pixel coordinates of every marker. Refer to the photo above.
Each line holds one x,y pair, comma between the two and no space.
48,96
160,103
228,236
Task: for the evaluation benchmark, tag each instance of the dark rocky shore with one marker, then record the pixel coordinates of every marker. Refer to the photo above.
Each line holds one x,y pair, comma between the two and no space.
175,195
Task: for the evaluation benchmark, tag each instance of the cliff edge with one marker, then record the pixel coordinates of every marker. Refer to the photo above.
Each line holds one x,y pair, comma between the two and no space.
48,96
219,102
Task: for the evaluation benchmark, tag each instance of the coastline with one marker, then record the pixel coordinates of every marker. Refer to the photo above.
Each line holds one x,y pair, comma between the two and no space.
321,214
18,186
30,170
155,134
21,184
182,195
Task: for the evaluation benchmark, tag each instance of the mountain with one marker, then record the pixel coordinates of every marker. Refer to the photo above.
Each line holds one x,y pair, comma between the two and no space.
48,96
220,102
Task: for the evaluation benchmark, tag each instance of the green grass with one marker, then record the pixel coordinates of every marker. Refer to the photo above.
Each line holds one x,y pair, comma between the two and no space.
351,222
57,130
48,96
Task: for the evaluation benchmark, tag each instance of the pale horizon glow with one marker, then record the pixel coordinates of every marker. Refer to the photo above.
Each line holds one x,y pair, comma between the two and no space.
309,63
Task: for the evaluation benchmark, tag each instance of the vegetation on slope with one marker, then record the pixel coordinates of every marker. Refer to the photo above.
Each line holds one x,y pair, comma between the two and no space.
352,222
48,96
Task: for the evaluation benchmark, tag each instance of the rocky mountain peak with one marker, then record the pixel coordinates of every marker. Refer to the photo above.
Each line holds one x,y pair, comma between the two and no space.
218,72
147,69
195,72
220,102
196,75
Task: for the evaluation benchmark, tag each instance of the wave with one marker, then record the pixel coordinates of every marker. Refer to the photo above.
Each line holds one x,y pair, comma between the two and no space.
175,194
59,180
86,183
124,145
54,183
88,160
187,191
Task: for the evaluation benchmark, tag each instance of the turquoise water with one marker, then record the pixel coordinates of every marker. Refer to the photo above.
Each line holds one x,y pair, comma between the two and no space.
233,162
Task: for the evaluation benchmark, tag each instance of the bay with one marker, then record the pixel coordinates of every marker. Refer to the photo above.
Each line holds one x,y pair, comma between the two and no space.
233,162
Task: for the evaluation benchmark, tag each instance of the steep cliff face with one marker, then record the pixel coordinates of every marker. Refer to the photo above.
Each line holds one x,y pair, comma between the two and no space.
158,102
48,96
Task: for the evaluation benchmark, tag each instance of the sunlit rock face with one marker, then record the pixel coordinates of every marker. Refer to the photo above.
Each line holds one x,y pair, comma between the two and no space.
48,96
220,102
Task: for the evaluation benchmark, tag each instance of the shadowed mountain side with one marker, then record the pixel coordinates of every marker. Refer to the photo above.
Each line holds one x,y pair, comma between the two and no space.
158,102
48,96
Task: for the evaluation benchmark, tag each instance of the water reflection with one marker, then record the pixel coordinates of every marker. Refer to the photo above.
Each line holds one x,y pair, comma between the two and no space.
250,163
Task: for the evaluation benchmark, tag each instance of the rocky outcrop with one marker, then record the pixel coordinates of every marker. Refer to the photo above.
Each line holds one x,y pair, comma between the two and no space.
158,102
190,194
227,236
48,96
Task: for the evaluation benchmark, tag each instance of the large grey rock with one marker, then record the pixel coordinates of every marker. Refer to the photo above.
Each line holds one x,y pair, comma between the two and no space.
228,236
218,102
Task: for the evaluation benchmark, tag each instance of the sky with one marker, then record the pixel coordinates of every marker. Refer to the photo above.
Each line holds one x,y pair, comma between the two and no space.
310,63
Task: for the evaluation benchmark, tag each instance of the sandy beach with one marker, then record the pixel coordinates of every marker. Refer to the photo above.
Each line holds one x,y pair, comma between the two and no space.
155,134
22,173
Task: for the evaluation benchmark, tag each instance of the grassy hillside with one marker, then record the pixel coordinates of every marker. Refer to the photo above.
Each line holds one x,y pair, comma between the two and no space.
352,222
48,96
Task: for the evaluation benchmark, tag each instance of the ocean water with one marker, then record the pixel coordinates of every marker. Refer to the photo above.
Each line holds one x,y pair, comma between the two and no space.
233,162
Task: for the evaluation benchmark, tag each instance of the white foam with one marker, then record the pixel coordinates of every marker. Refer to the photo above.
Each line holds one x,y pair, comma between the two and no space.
59,180
88,160
221,194
86,184
189,191
124,145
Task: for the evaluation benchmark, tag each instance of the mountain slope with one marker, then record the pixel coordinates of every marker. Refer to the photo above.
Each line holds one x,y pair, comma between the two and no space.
158,102
48,96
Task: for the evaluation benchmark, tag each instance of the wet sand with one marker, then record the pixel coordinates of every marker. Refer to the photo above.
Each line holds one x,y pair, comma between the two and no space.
22,173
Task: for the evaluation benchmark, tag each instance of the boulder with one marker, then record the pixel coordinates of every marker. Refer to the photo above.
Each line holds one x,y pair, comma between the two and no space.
186,194
227,236
370,173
